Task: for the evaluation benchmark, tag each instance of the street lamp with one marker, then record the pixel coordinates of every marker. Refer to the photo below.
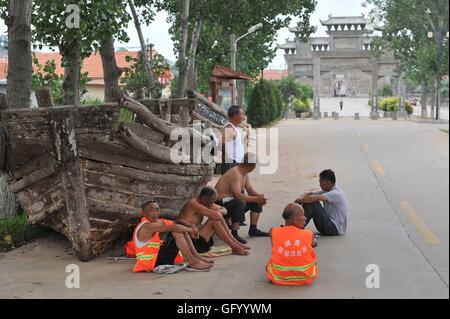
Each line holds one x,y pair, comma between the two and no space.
234,43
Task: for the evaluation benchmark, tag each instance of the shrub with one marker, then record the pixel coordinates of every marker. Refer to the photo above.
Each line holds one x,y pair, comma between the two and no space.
265,104
302,107
17,231
390,104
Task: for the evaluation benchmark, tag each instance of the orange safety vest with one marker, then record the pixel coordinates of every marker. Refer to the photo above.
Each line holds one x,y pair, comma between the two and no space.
147,256
293,261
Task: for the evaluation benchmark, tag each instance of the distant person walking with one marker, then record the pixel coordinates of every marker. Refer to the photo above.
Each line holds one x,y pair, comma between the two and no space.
341,104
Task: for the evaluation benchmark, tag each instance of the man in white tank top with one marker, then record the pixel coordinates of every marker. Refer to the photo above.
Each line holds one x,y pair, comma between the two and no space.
233,139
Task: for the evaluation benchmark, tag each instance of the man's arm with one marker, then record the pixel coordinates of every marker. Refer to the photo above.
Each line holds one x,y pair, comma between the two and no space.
311,198
214,214
237,193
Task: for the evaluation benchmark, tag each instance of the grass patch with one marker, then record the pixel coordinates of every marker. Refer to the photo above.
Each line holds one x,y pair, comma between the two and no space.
444,130
15,232
126,116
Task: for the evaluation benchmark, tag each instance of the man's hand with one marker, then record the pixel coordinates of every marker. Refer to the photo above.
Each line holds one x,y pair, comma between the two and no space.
261,200
300,200
195,232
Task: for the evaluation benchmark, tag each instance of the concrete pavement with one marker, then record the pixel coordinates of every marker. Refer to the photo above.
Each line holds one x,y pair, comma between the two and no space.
396,178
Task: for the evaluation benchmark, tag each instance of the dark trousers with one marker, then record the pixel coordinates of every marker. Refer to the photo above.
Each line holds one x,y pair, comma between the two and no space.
324,225
237,209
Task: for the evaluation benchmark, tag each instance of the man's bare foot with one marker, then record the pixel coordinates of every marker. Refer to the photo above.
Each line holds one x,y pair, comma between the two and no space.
207,260
246,247
200,265
240,252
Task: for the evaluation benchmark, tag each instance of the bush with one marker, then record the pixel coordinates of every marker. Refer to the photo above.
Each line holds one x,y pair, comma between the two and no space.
390,104
265,104
386,90
16,231
301,107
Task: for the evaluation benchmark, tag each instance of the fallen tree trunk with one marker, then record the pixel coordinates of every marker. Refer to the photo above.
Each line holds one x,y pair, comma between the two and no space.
154,150
155,122
208,103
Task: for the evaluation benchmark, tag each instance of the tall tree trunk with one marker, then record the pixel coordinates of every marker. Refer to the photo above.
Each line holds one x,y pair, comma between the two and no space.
150,78
192,65
18,89
182,51
71,59
433,98
423,97
111,73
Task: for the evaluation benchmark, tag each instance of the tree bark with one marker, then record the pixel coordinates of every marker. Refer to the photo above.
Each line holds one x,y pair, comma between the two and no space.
111,72
433,98
182,50
150,78
192,67
20,70
72,72
423,97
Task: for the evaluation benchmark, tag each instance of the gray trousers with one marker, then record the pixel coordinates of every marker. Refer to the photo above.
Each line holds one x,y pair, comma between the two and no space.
323,223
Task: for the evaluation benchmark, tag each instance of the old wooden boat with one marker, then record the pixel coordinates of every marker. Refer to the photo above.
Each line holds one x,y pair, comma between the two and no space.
83,173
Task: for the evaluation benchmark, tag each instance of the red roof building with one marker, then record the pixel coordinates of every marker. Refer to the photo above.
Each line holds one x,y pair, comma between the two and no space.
92,65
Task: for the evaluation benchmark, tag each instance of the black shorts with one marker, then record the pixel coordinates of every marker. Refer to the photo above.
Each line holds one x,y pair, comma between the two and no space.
237,208
169,250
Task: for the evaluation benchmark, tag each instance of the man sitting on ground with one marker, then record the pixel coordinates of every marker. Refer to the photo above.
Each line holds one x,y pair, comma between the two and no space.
231,189
331,218
150,255
203,206
293,261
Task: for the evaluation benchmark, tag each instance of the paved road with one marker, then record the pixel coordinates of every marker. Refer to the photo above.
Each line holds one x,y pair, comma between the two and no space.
360,105
396,176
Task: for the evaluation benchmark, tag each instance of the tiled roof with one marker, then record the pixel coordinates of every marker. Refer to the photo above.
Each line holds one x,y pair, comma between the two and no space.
224,72
274,75
344,20
92,65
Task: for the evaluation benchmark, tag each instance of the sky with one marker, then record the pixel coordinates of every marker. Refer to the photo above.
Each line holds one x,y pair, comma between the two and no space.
158,31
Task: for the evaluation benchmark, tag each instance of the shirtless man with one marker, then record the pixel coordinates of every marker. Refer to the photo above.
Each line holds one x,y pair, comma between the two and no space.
149,229
237,195
203,206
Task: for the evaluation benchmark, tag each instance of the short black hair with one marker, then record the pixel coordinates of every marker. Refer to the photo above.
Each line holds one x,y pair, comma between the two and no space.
328,175
208,192
233,111
148,202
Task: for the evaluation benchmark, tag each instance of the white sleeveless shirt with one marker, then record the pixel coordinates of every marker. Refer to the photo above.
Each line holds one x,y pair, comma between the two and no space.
234,149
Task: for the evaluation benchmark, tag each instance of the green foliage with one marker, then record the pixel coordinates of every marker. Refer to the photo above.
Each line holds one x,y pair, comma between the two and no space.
386,90
303,93
16,231
265,104
136,79
45,75
88,100
221,18
390,104
301,106
404,26
126,116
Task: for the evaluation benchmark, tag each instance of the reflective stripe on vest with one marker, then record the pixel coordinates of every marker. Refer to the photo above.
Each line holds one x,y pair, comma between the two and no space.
292,278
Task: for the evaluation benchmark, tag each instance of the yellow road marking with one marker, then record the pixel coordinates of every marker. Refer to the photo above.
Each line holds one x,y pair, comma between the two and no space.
379,168
366,148
359,134
426,232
